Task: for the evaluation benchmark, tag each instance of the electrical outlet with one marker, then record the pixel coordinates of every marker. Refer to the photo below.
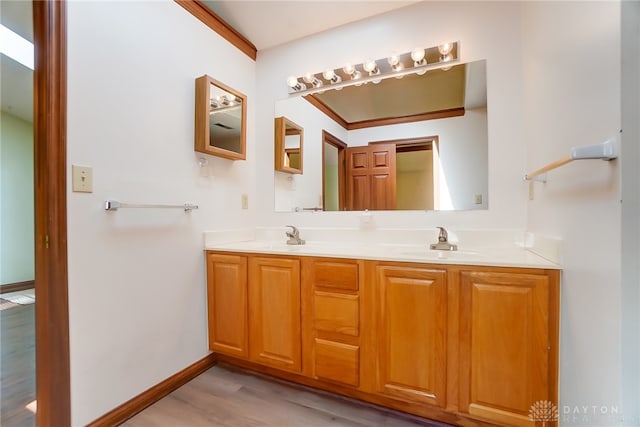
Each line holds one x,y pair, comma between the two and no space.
82,179
245,201
478,199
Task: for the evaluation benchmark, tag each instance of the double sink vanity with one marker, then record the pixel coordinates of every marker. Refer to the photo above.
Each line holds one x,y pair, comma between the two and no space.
467,336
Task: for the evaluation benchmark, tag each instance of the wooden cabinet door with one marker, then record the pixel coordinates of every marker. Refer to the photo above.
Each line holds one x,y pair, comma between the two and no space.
227,304
411,311
504,345
371,177
274,317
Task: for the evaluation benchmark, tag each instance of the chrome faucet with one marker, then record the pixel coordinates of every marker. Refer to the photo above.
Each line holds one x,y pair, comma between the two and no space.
443,242
294,236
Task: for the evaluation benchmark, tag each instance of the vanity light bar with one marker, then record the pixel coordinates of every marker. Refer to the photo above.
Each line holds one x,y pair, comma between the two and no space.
418,61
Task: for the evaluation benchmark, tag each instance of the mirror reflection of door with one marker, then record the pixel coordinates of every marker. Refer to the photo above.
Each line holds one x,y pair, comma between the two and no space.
384,175
333,171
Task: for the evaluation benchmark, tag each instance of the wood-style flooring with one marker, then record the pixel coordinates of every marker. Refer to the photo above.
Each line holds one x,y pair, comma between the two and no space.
17,365
227,396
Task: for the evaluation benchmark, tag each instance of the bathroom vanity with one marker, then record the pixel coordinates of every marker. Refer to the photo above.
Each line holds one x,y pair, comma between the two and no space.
457,338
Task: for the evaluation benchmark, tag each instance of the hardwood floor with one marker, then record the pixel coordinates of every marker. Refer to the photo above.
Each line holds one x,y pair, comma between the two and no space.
228,396
17,365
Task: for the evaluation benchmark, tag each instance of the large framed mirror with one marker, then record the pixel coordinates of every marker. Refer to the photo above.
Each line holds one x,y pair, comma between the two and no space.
220,119
416,143
288,146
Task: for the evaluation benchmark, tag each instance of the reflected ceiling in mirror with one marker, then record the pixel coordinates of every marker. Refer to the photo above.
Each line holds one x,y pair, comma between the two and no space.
440,116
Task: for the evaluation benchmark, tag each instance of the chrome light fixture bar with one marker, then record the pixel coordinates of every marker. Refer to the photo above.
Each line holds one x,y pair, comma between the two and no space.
418,61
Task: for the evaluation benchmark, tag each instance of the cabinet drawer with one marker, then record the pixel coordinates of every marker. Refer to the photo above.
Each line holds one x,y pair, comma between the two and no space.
336,313
336,275
337,362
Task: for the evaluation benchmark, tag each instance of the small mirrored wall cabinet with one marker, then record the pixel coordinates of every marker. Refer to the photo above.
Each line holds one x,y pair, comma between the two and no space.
288,146
220,120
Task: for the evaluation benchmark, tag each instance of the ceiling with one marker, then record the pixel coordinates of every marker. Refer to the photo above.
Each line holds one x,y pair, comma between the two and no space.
438,90
17,80
271,23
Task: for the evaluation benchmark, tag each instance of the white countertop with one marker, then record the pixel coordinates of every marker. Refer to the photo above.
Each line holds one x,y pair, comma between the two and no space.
508,256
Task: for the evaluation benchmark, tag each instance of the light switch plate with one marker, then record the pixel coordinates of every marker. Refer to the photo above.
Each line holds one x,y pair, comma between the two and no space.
82,179
245,201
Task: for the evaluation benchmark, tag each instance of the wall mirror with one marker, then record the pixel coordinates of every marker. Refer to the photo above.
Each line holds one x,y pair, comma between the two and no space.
416,143
220,119
288,146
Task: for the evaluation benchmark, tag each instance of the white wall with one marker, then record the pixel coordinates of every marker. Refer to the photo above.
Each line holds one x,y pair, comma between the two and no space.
571,99
488,31
16,202
137,277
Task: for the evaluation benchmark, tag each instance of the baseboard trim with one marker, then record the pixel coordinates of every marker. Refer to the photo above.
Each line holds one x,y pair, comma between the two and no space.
17,286
131,407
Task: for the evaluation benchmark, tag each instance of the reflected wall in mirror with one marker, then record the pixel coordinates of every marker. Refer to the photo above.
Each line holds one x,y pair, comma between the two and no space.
221,119
288,141
416,143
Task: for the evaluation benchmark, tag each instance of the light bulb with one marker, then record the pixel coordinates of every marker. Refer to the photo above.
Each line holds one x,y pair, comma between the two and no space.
370,66
356,76
349,69
395,63
445,48
309,78
332,76
417,54
446,58
295,84
421,72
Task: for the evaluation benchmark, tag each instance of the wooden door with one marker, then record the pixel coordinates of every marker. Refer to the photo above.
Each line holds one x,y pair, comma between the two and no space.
274,317
411,313
371,177
227,304
504,345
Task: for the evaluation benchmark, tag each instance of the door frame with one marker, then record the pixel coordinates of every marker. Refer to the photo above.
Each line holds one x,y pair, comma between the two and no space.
53,390
328,138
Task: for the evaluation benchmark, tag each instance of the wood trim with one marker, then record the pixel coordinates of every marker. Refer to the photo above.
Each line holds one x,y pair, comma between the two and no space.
554,334
326,110
53,390
145,399
17,286
198,9
442,114
341,146
410,144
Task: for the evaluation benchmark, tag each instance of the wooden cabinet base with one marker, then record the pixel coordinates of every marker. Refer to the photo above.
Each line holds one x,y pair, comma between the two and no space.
424,411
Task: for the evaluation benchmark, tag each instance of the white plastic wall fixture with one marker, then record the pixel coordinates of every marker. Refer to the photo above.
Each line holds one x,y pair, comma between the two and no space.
607,150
